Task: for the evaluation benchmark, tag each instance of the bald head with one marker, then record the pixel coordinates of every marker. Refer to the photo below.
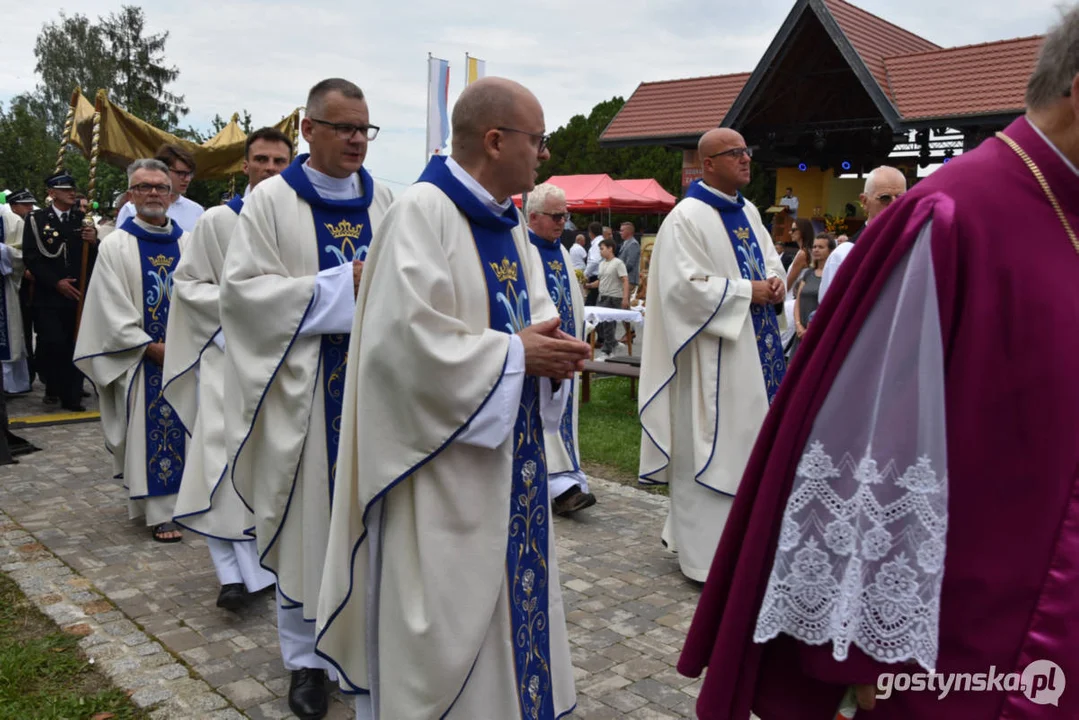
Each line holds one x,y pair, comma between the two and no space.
882,186
499,136
718,140
486,104
724,165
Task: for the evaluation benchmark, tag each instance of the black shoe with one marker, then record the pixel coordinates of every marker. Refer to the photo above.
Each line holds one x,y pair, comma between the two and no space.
572,500
73,407
308,698
232,596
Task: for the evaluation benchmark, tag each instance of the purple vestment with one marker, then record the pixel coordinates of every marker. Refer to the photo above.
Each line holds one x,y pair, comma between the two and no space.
1009,319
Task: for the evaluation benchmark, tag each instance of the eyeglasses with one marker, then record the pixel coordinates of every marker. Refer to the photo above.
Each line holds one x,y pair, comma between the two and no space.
182,174
542,138
735,153
557,217
147,188
346,131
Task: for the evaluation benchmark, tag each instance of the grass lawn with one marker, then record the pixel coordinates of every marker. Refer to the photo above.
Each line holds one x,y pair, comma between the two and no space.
44,675
610,433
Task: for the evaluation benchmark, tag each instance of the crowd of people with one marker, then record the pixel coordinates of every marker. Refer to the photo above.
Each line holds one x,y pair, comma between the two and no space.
368,405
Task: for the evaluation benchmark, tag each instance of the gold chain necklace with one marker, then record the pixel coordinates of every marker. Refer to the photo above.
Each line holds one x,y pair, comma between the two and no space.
1045,187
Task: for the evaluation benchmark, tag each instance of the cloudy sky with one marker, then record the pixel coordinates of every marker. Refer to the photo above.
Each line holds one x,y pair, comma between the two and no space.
264,55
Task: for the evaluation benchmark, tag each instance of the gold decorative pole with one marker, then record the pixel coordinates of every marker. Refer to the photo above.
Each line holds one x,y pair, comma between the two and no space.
68,122
95,150
91,192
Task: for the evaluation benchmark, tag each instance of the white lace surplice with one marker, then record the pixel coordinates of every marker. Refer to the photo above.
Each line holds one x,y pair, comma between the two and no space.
861,551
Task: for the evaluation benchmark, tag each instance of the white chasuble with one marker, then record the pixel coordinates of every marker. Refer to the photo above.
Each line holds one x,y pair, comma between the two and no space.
12,343
703,393
126,308
194,376
441,596
563,454
279,380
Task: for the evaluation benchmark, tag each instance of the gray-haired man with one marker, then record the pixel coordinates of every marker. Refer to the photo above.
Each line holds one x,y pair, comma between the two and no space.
121,348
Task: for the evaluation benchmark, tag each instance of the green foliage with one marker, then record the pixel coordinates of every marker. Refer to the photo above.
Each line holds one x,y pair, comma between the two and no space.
27,150
139,73
575,150
111,54
43,675
70,53
609,432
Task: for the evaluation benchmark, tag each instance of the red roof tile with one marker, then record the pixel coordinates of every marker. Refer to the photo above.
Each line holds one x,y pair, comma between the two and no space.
874,38
972,80
676,108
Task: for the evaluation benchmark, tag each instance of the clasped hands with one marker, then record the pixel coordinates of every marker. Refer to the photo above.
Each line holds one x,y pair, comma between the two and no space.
549,352
768,292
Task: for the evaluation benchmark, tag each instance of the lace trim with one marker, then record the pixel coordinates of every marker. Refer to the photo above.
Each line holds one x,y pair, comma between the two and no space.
860,559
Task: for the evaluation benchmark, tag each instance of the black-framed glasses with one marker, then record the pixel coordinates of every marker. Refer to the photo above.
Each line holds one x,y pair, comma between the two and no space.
147,188
735,153
347,131
182,174
540,136
557,217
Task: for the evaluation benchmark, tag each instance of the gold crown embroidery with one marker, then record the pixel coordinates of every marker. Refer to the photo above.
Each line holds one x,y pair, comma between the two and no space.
555,266
345,229
162,261
741,233
505,271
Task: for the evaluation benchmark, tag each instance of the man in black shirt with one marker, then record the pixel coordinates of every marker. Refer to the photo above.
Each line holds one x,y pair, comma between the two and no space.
52,249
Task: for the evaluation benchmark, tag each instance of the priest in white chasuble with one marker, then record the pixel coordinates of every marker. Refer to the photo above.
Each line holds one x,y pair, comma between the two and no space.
712,358
547,216
12,339
287,300
441,596
195,384
121,347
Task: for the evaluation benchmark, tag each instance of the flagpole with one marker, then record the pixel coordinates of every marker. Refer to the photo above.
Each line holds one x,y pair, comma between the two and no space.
466,69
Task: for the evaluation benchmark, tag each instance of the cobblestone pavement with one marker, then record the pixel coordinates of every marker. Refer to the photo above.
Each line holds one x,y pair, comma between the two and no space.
627,604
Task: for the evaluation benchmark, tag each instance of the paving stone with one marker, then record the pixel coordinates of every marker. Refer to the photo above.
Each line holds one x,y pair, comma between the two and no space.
627,605
148,696
246,693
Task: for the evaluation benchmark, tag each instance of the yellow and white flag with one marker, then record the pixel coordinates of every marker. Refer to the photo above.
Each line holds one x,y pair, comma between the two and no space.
474,69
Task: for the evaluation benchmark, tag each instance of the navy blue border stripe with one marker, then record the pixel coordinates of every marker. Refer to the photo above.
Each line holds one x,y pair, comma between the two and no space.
405,475
645,478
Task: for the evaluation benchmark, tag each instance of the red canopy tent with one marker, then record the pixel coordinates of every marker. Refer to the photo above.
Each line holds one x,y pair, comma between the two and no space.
651,189
592,193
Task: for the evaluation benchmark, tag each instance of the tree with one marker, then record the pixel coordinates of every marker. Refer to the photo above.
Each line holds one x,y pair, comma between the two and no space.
27,150
575,150
112,54
70,53
140,74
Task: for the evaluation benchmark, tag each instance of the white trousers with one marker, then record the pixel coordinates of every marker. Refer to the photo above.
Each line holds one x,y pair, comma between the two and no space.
297,638
238,562
560,483
16,376
694,525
